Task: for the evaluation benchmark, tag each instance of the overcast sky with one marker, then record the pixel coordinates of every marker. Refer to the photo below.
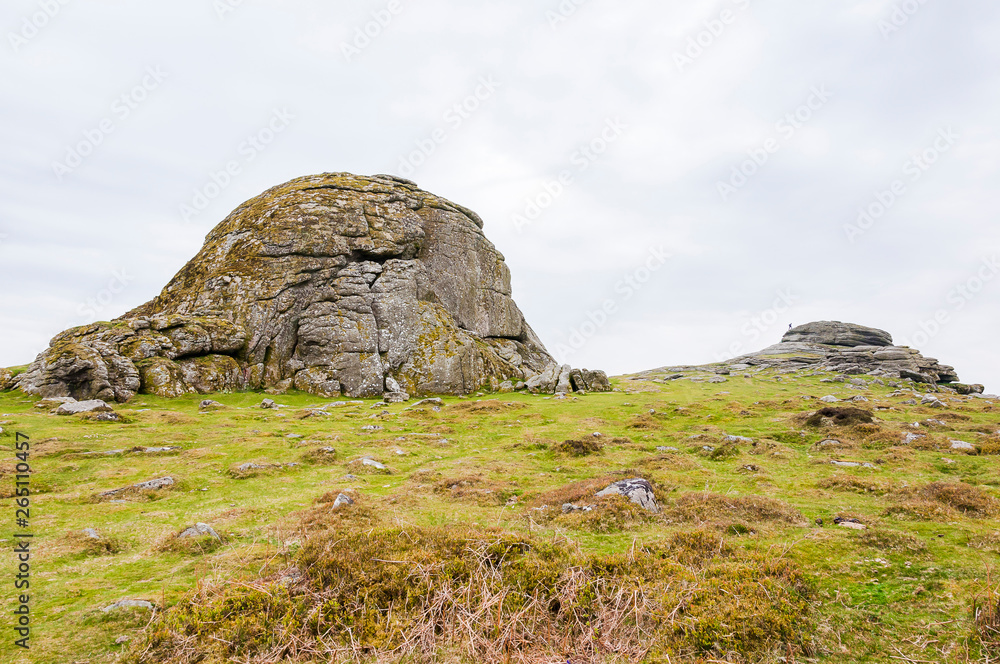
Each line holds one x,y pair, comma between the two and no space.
697,169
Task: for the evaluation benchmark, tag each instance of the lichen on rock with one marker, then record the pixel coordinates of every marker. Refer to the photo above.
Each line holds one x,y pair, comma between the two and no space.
333,284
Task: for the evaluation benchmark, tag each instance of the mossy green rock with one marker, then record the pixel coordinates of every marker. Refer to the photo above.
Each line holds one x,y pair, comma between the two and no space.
334,283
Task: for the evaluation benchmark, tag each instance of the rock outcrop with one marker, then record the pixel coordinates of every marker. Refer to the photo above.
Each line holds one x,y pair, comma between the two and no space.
333,284
844,348
849,349
835,333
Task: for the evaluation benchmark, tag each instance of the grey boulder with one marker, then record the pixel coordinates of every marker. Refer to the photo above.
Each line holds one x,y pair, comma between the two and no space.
638,490
200,530
77,407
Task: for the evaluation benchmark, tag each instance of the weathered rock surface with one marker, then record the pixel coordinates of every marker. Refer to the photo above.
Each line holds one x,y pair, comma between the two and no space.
149,485
844,348
835,333
130,604
638,490
6,379
849,349
77,407
334,284
200,530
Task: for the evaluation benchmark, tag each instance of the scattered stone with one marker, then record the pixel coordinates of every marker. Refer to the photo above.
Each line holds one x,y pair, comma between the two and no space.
667,449
268,404
435,401
736,439
91,533
854,524
962,445
294,436
209,404
77,407
932,401
569,508
200,530
853,464
829,399
150,485
638,490
371,427
373,464
129,604
342,499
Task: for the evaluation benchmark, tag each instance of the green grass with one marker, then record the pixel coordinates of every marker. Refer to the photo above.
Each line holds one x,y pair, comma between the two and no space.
904,588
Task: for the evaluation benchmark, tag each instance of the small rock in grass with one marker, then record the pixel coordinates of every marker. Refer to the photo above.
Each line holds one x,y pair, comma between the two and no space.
77,407
342,499
638,490
129,604
200,530
849,523
373,463
91,533
267,404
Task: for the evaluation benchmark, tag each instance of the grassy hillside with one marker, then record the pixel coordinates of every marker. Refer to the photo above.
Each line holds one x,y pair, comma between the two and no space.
459,549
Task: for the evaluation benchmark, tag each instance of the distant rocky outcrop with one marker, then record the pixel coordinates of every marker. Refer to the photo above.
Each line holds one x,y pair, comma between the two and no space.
333,284
849,349
844,348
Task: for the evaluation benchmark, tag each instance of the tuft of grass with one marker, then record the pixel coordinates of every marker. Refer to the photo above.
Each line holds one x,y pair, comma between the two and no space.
476,489
850,483
965,498
891,540
986,620
476,594
91,546
705,507
578,448
840,416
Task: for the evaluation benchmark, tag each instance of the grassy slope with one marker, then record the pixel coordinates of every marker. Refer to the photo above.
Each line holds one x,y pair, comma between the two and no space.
871,604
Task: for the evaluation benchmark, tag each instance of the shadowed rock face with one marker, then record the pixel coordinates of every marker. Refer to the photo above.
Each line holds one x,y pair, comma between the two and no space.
334,284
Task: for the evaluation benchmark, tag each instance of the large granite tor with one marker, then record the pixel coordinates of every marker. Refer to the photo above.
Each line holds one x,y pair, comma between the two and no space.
334,284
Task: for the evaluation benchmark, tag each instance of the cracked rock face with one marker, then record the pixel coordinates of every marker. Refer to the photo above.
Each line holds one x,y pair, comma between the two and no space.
335,284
